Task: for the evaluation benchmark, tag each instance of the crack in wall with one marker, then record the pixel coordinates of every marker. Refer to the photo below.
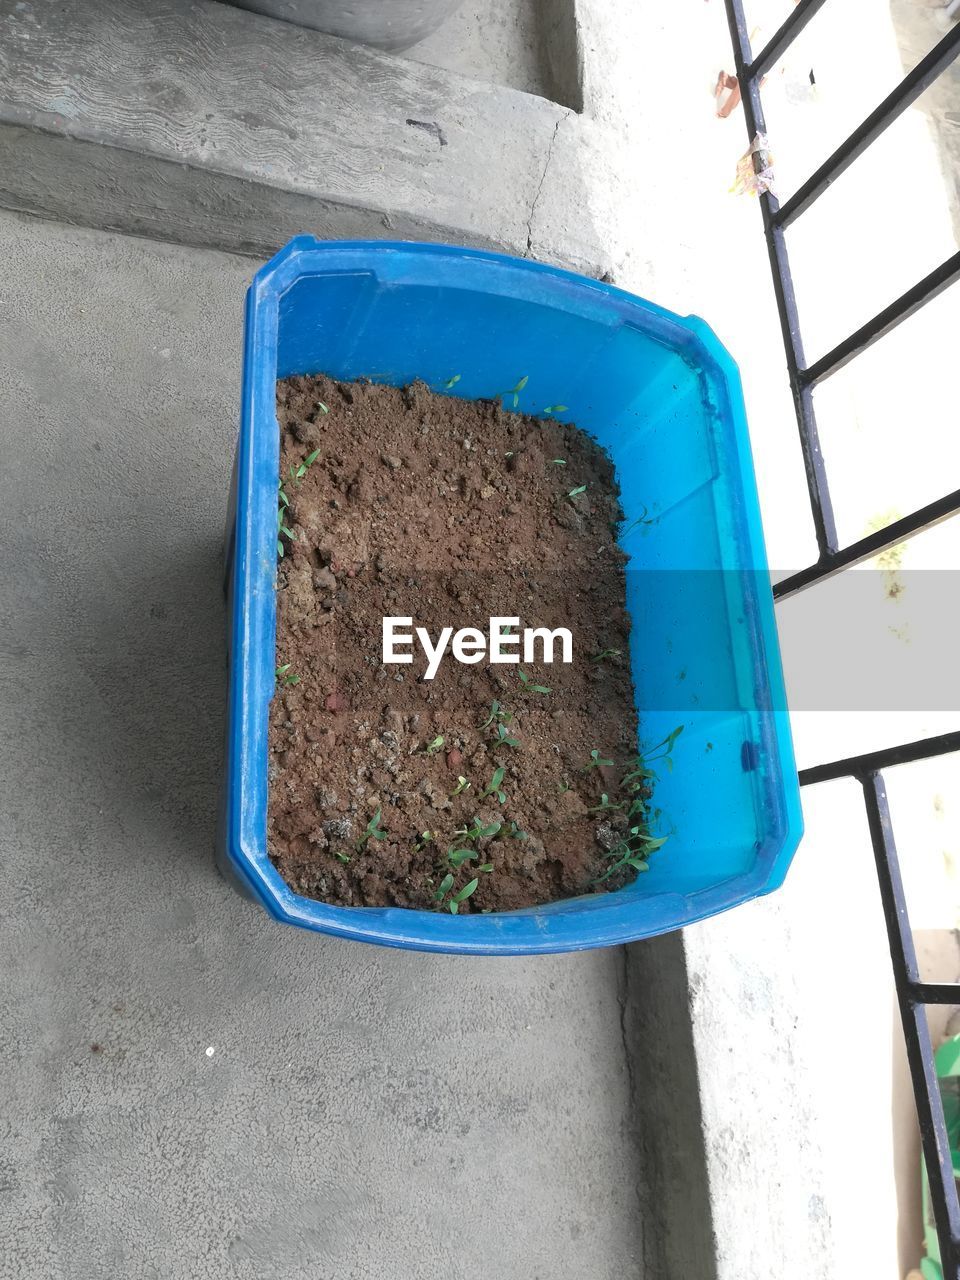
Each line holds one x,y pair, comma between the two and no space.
539,190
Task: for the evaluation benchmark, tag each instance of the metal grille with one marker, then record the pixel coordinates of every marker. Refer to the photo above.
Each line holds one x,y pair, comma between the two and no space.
912,994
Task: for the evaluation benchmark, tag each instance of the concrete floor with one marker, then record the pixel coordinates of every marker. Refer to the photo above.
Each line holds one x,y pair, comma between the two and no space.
188,1089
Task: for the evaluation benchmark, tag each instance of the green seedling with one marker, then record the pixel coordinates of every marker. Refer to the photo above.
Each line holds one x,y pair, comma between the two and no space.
559,462
462,896
423,839
606,653
282,530
596,761
433,747
373,832
322,407
297,473
497,712
530,686
457,857
342,857
444,887
564,786
493,787
515,391
581,488
640,770
605,805
462,785
504,739
515,833
451,382
285,676
633,851
478,831
644,519
555,408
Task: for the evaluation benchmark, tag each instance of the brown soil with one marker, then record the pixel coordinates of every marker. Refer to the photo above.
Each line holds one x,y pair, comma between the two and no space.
449,512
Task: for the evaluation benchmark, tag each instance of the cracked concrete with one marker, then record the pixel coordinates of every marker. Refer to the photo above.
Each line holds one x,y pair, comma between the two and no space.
539,191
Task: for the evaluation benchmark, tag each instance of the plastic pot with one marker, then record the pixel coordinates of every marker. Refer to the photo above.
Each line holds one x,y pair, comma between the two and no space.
663,396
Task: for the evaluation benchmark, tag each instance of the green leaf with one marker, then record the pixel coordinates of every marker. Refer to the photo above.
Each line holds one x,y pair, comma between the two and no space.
292,680
322,407
343,857
288,533
522,383
466,891
286,667
457,857
279,548
558,462
579,489
311,458
555,408
454,906
487,866
445,885
452,382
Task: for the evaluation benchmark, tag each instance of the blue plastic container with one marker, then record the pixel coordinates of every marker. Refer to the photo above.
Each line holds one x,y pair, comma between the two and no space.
663,396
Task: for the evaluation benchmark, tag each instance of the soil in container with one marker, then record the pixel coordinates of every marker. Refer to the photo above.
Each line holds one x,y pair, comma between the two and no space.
490,786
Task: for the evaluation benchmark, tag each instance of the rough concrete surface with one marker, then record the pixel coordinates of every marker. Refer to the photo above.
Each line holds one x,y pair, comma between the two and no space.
210,125
190,1090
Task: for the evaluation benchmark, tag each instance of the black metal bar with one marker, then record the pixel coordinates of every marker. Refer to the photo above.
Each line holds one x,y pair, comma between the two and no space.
865,548
926,1088
785,37
887,758
884,321
821,505
935,992
912,994
906,92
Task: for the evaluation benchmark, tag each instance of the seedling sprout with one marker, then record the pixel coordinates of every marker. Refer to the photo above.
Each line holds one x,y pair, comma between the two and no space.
606,653
478,831
596,761
515,391
373,832
433,747
462,896
530,686
493,786
462,785
286,676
